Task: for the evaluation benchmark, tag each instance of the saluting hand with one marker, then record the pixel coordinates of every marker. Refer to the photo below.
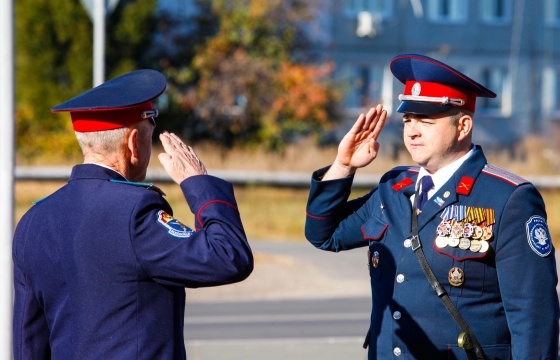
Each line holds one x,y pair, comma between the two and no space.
359,146
179,159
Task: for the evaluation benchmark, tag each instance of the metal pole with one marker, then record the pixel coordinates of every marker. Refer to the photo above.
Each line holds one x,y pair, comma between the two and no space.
6,174
98,42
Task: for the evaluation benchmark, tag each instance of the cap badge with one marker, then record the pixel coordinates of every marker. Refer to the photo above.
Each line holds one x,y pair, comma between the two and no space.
416,89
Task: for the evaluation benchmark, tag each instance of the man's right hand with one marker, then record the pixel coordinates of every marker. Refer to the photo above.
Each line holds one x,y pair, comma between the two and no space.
359,146
179,159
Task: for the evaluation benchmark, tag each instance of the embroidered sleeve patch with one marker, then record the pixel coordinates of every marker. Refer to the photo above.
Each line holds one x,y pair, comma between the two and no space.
174,227
538,236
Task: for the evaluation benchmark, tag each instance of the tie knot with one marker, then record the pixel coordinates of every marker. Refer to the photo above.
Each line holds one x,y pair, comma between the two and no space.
427,183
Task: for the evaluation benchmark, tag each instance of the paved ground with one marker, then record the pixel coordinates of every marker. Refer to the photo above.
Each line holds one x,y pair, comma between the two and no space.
295,270
287,271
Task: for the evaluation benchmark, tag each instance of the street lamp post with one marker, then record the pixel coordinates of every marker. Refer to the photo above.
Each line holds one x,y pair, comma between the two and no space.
98,11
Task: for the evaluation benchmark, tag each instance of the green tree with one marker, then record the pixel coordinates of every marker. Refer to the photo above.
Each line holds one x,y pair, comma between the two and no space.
54,62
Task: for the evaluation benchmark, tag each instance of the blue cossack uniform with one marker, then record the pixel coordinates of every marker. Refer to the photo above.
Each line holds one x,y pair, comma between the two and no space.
484,235
101,265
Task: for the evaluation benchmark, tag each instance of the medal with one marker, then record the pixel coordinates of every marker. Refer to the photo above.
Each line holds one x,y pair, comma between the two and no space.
441,242
453,242
487,233
457,230
475,246
483,246
464,243
477,232
375,259
456,276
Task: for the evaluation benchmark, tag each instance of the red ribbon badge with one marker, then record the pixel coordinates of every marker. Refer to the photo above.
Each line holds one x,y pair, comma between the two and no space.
465,185
402,184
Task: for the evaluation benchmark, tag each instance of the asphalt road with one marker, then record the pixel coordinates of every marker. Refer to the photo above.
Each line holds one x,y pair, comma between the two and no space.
278,329
299,303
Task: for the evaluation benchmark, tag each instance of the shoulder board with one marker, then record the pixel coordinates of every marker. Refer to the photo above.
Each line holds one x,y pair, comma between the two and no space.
505,175
139,184
414,169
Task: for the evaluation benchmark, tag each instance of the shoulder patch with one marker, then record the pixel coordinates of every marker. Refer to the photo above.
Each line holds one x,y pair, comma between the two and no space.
538,236
139,184
174,227
505,175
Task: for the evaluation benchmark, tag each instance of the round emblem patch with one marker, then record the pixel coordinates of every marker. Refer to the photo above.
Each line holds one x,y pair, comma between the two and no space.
174,227
538,236
416,89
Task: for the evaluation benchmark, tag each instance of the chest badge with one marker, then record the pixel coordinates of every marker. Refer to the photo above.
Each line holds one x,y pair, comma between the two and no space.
456,276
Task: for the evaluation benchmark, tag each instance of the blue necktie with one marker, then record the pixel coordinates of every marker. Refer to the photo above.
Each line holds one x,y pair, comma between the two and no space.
427,185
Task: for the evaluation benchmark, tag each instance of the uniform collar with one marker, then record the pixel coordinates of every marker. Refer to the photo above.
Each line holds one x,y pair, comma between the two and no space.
94,171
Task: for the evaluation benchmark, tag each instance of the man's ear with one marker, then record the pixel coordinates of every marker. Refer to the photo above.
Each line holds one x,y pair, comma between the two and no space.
132,145
464,126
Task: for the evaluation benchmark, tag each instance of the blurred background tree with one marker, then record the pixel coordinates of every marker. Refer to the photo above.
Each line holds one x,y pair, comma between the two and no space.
54,63
239,71
251,82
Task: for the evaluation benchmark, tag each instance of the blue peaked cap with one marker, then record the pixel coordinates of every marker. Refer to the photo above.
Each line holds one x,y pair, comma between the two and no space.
433,87
117,103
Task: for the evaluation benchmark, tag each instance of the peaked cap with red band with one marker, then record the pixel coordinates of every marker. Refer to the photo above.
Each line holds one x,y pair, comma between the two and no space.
120,102
433,87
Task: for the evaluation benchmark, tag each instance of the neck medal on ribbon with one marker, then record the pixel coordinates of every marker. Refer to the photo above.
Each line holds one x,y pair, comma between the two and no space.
466,227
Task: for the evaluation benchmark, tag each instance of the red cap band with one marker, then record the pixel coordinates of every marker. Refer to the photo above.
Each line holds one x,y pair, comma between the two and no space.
108,119
437,90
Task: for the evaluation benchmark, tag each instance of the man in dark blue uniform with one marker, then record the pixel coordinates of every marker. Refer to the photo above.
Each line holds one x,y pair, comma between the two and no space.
100,266
481,229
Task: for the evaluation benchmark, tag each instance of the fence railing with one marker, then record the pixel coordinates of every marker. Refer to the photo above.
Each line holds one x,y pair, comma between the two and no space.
242,178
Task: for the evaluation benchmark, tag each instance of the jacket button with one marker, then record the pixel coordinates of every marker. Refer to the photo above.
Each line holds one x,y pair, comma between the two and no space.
397,315
407,243
397,351
400,278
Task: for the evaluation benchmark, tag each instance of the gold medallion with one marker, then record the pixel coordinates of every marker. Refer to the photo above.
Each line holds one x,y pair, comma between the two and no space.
456,276
487,233
477,233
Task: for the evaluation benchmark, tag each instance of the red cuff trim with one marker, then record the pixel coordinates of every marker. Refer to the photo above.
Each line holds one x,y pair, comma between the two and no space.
198,217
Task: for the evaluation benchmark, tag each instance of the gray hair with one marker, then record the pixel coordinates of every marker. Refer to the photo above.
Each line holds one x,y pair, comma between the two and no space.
106,142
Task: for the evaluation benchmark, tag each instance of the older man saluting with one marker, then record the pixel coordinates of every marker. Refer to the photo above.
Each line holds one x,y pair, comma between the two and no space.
100,266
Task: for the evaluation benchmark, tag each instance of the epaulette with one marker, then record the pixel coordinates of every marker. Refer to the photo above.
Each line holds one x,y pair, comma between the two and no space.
139,184
505,175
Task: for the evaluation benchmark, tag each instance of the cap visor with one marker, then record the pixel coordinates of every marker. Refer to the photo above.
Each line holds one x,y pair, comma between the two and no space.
416,107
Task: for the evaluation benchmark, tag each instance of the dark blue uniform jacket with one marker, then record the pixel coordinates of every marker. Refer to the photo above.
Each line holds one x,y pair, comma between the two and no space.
100,267
507,294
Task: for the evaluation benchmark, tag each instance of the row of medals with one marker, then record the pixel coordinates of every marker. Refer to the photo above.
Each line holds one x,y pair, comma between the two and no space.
464,235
